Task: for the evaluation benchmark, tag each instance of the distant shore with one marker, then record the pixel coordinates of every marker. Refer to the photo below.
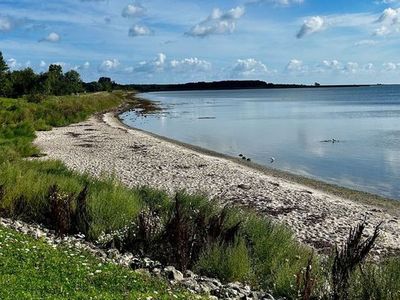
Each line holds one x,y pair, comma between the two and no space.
319,214
228,85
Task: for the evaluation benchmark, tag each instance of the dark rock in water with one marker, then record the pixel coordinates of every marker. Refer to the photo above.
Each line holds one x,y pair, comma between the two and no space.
240,155
206,118
244,187
243,157
249,159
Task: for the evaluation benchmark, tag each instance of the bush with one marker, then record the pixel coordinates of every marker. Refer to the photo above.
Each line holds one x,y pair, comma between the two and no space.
35,98
227,262
377,281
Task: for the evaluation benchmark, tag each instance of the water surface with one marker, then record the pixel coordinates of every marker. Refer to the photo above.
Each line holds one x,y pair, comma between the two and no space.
289,125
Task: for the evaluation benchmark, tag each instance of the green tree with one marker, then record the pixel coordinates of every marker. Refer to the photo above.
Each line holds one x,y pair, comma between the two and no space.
3,65
54,81
5,85
73,82
23,82
106,83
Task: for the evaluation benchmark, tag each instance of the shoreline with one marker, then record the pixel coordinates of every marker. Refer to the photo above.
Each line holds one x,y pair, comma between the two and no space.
362,197
318,218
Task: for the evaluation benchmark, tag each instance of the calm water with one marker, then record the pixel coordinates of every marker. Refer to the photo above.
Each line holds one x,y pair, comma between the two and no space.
289,125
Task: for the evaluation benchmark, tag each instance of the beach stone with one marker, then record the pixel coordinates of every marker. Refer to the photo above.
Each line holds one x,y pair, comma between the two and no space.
244,187
173,274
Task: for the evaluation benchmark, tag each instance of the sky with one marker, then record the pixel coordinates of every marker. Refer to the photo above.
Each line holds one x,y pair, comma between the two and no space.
173,41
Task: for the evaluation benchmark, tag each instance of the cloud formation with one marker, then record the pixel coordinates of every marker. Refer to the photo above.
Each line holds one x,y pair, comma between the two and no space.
133,11
190,65
139,30
390,66
390,22
218,22
155,65
278,2
295,66
311,25
248,67
12,63
53,37
5,23
162,64
109,65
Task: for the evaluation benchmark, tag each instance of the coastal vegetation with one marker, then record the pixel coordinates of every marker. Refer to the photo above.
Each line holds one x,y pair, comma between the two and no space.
32,269
187,231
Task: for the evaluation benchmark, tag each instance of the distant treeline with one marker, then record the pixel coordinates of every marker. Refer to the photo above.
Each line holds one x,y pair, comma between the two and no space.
220,85
18,83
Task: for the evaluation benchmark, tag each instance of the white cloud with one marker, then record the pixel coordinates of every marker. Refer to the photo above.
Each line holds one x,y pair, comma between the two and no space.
390,66
139,30
351,67
133,11
331,64
369,67
5,23
296,65
42,64
387,1
278,2
156,65
287,2
390,22
53,37
109,65
162,64
190,64
389,15
365,43
311,25
12,63
382,31
248,67
217,22
84,66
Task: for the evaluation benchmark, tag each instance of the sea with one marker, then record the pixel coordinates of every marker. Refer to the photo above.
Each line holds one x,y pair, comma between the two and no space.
345,136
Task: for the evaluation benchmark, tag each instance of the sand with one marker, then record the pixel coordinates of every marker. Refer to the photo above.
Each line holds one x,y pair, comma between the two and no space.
102,145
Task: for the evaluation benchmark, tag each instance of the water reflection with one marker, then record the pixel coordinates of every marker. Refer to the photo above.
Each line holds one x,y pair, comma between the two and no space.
290,125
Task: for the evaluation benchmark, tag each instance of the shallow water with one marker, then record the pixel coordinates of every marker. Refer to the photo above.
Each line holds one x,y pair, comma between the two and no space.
289,125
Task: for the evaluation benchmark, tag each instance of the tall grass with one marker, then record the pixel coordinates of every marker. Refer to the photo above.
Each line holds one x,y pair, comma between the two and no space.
111,207
19,119
374,282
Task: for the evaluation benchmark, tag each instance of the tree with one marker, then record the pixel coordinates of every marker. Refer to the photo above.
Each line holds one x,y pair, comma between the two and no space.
106,83
3,65
23,82
5,85
54,81
73,82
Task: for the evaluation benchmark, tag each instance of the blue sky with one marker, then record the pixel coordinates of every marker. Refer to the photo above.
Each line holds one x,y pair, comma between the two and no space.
285,41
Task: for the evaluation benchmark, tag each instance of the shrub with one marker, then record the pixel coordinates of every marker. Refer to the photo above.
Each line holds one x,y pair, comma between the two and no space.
35,98
348,258
227,262
377,281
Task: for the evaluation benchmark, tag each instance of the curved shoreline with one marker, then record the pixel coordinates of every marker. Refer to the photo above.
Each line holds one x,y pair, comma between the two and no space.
389,204
103,145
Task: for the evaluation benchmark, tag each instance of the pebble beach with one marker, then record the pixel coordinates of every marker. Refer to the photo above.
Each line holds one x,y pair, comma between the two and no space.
103,145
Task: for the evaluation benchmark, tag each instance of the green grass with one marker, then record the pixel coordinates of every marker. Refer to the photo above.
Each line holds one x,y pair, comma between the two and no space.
31,269
19,118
